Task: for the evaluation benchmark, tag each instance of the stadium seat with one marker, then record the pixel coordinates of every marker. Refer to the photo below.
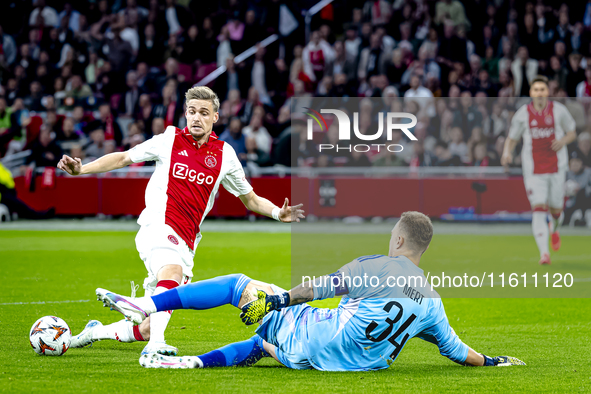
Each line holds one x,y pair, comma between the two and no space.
205,70
186,70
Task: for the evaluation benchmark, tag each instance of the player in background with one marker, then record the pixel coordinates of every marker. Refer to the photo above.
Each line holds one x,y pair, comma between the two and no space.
191,163
547,128
367,330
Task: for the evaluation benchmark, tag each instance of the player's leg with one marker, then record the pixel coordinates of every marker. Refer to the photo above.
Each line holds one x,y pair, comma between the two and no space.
556,205
541,231
122,331
238,354
206,294
169,262
168,277
244,353
536,187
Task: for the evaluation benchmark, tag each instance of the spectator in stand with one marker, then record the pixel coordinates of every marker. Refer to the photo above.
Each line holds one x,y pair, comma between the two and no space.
584,87
584,147
173,49
78,119
33,100
97,148
170,109
132,129
247,109
77,89
524,70
120,51
255,156
45,152
128,106
480,155
178,18
109,126
420,94
67,132
316,57
467,116
144,113
258,132
129,32
575,74
43,15
9,52
444,158
372,60
190,46
423,65
233,135
151,47
578,190
171,72
452,10
457,146
158,126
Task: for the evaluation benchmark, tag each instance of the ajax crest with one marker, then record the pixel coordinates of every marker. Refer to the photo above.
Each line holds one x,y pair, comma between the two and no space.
210,161
173,239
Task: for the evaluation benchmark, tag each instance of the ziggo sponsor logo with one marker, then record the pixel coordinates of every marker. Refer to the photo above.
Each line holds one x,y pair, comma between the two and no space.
182,171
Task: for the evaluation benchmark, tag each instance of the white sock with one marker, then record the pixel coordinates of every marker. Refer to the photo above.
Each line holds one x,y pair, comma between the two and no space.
146,303
121,331
540,230
158,320
557,222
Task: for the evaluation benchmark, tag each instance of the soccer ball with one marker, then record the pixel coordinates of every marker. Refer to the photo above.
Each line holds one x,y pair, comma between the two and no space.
50,336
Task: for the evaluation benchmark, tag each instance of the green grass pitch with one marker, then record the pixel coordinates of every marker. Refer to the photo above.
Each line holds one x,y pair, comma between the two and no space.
553,336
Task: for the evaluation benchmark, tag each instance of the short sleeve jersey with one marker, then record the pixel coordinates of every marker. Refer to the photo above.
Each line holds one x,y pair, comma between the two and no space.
538,130
183,186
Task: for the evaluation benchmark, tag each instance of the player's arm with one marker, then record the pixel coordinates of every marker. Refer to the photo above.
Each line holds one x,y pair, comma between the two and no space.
516,130
262,206
321,288
452,347
508,150
565,140
112,161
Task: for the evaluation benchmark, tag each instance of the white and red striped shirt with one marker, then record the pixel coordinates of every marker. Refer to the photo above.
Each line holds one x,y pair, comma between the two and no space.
183,187
538,130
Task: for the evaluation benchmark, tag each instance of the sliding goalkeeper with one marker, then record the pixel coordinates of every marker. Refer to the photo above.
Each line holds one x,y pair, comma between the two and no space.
367,331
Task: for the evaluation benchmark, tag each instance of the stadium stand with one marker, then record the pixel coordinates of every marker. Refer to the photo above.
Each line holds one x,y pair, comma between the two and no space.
91,77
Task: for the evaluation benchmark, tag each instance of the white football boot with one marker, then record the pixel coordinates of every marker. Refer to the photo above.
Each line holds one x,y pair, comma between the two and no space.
154,360
85,337
127,306
159,348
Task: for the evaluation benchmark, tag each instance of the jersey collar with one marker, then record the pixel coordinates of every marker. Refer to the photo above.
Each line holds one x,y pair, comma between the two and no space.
212,136
544,111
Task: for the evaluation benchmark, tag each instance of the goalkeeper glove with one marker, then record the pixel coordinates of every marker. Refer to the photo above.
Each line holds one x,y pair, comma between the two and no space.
501,361
254,311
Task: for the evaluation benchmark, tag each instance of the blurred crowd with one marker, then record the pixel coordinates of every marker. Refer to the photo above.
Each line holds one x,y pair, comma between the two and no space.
96,76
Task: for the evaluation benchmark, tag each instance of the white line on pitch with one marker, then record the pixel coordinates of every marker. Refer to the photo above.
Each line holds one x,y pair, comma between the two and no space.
43,302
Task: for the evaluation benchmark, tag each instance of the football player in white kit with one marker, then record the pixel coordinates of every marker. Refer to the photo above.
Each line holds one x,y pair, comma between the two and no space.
190,165
547,128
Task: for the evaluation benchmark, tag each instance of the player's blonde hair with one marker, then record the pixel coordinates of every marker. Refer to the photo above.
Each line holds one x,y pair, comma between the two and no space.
418,230
203,93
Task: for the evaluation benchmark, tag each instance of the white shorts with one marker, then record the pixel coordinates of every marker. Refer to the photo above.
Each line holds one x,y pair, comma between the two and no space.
545,189
159,245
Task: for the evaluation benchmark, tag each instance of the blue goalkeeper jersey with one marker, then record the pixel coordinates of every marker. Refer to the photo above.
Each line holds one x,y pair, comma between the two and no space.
376,318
